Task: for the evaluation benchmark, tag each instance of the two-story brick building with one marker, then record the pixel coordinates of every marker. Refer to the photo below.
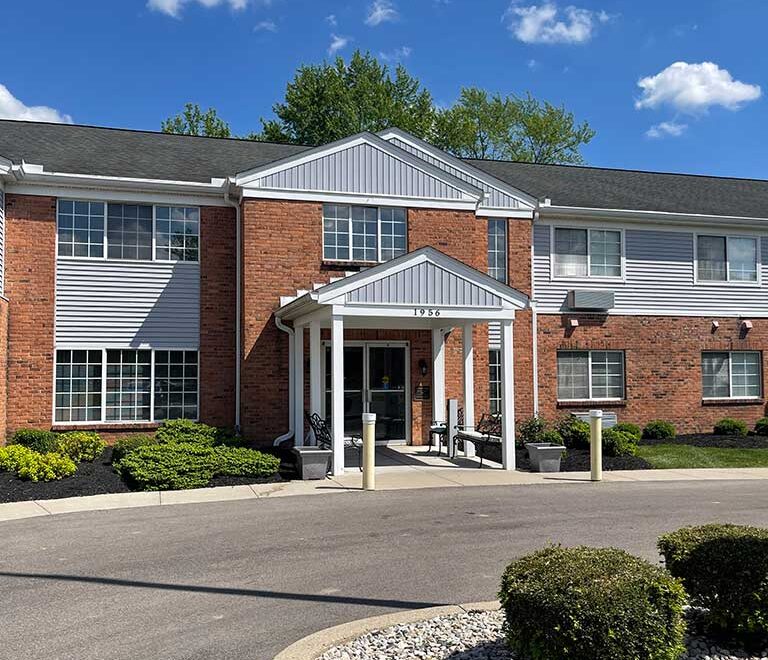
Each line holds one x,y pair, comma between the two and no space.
148,276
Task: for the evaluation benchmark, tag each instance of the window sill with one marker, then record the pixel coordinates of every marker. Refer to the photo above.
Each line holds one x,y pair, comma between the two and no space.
585,403
329,264
733,402
63,427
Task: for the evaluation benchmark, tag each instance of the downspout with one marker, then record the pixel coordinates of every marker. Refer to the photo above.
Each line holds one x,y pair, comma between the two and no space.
534,325
238,296
291,403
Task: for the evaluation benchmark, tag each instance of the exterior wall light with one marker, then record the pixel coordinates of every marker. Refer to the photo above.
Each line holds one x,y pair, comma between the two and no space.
746,325
715,325
574,323
423,367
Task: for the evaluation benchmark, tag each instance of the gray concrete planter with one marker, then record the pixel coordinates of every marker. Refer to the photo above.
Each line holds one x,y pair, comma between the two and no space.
312,462
545,456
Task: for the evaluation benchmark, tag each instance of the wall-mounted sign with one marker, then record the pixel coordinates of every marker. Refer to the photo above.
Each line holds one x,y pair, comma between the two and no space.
421,393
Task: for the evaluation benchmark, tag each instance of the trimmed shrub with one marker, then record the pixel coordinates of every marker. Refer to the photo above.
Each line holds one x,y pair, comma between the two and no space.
184,430
574,432
530,430
242,462
36,440
761,426
586,603
724,568
627,427
34,466
551,436
730,426
123,446
659,430
619,443
171,466
81,445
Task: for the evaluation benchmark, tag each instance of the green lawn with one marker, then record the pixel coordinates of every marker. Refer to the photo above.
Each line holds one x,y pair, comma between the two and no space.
688,456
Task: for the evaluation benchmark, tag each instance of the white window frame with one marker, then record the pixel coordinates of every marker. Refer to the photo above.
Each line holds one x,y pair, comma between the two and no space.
494,363
104,256
589,373
728,281
121,423
351,259
587,277
730,396
505,267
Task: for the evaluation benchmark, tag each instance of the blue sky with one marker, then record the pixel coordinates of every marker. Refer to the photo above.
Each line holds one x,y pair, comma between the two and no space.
673,85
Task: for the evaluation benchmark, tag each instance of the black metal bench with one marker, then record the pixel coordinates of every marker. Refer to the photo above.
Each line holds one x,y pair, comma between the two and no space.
324,437
485,433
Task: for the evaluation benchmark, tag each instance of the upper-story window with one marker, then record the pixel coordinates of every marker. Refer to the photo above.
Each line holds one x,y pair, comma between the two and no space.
587,253
497,248
363,233
726,259
133,232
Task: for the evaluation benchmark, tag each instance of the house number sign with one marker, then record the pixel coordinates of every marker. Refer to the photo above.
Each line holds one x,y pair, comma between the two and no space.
423,311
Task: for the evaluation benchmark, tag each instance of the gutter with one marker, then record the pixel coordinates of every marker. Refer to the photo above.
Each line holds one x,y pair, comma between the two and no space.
238,299
534,326
291,402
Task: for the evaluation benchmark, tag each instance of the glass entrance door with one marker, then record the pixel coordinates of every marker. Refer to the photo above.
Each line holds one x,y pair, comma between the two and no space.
375,380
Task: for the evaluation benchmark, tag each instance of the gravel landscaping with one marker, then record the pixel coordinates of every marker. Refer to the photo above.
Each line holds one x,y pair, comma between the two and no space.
475,636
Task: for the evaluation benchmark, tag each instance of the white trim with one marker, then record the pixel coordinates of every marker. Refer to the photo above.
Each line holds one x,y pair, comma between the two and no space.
468,380
438,375
744,313
590,398
514,214
508,458
728,282
620,279
731,396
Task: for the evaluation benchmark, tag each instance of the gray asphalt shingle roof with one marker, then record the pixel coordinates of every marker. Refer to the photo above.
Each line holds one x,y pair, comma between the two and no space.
144,154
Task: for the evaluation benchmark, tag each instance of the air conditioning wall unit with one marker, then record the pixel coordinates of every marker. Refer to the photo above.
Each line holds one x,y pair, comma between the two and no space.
590,300
609,418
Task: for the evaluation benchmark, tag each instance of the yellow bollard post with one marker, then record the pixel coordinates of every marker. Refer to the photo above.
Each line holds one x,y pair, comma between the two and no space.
596,444
369,451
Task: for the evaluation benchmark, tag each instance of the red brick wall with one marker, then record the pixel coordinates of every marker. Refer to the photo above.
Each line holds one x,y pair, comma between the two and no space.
217,315
3,367
663,364
30,275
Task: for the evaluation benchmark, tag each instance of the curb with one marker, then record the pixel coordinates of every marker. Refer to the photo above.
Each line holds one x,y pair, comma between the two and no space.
313,646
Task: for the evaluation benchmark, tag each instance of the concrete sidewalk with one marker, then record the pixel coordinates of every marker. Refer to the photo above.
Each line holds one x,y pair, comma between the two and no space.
406,468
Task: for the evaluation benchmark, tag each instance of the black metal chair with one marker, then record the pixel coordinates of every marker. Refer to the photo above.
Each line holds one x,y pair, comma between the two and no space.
439,431
324,437
485,433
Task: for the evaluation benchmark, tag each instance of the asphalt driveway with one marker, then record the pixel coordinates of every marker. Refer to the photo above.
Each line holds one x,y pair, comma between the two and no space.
242,580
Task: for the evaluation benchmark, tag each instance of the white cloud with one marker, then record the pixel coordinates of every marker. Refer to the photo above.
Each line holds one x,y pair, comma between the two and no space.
547,24
666,129
337,43
532,64
12,108
331,20
381,11
695,88
265,26
174,7
397,55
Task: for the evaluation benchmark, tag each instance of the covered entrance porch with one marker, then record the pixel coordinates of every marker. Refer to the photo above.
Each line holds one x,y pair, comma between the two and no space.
423,290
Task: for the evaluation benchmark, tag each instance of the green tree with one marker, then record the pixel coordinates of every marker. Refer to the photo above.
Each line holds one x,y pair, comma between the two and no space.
480,125
329,101
193,121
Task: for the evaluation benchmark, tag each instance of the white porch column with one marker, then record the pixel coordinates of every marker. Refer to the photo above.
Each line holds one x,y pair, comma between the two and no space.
507,397
337,393
469,385
438,375
315,368
298,386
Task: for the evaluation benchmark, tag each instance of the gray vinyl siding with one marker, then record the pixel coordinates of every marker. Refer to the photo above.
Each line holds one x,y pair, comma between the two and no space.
361,169
659,278
423,284
2,242
127,304
496,198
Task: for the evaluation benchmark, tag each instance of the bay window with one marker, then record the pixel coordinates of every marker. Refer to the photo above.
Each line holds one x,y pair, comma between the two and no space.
731,374
363,233
726,258
586,253
585,375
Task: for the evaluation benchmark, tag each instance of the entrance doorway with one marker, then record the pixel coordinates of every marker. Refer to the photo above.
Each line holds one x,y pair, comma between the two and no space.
377,380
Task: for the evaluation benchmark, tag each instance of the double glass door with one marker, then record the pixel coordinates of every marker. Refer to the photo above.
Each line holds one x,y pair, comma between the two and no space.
375,380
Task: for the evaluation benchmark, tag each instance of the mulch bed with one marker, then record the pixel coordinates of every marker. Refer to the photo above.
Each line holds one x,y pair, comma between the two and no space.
576,460
711,440
98,478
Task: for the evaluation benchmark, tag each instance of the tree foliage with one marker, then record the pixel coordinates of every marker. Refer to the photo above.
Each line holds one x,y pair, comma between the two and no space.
193,121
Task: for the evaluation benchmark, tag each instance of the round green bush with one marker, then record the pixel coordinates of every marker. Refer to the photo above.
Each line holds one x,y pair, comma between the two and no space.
761,426
574,432
724,569
551,436
730,426
34,466
587,603
619,443
633,429
659,430
171,466
36,440
530,430
81,445
123,446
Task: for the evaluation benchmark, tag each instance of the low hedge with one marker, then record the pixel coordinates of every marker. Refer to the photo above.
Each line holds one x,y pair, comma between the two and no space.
730,426
659,429
80,446
35,466
36,440
724,568
182,465
184,430
552,436
586,603
619,443
761,426
627,427
123,446
574,431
